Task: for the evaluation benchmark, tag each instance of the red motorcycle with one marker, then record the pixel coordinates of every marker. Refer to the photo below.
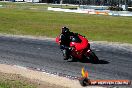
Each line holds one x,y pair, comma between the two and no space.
80,48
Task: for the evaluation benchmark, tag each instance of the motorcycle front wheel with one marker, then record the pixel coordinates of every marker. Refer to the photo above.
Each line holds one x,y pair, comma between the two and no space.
93,57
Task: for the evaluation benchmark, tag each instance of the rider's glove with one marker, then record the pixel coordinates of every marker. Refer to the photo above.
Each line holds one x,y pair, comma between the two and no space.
62,46
71,48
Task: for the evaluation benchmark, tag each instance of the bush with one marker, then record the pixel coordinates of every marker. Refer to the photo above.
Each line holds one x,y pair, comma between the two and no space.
115,8
129,9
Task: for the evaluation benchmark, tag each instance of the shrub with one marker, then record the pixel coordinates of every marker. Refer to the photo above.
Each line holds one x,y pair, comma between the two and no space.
129,9
115,8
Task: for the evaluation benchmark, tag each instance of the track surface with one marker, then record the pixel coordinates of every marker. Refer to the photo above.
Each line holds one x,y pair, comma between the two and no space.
115,61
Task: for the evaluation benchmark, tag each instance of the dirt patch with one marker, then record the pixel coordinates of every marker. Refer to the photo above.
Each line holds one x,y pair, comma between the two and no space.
12,78
39,79
27,76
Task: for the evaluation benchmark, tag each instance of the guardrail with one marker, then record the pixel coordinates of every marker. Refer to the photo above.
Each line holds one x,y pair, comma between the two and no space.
92,11
93,7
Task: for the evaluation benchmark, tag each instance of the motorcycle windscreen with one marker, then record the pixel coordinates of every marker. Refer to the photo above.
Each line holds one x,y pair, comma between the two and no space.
80,45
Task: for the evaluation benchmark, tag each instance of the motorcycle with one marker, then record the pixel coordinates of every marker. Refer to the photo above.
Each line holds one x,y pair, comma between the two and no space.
80,48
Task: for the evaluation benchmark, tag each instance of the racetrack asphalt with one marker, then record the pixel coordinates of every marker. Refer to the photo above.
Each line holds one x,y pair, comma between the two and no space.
115,61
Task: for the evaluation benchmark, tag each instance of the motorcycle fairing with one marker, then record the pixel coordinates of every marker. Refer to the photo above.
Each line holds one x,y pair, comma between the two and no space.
80,46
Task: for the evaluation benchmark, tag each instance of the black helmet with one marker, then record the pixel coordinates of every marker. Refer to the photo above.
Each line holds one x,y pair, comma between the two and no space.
65,30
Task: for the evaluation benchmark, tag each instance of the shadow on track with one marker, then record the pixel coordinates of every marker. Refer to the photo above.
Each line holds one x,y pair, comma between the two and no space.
103,62
89,61
99,62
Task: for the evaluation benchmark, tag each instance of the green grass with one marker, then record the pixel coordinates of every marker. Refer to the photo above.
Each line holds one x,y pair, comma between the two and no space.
8,80
14,84
40,22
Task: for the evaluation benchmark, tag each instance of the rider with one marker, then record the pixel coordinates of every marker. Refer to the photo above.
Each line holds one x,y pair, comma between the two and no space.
65,39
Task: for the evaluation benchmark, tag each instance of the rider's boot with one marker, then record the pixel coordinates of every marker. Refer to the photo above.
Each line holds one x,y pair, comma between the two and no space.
65,54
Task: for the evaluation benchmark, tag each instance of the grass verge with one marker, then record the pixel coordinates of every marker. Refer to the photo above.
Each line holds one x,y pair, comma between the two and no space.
14,81
30,19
